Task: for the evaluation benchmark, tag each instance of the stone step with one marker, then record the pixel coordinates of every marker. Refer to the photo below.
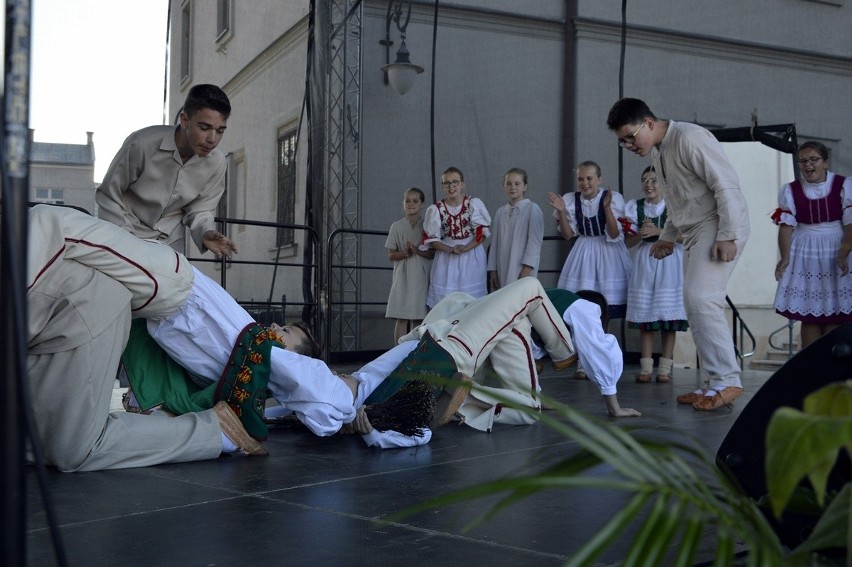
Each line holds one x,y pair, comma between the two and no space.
779,354
767,364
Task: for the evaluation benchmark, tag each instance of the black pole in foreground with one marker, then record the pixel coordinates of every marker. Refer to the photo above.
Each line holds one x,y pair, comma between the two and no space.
13,244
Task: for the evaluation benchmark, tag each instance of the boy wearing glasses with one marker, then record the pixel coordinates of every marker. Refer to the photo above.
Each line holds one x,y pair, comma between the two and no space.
705,203
455,227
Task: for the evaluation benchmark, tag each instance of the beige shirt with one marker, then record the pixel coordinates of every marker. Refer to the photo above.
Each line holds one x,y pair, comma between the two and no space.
151,193
701,186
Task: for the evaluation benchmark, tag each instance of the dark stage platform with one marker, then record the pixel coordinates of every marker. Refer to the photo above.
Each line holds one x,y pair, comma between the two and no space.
316,501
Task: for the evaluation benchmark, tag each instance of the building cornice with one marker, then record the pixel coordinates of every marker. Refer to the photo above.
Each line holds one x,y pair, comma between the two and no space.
697,45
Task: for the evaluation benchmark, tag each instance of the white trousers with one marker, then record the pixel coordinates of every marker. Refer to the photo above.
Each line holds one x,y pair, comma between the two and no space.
78,320
158,277
705,284
497,327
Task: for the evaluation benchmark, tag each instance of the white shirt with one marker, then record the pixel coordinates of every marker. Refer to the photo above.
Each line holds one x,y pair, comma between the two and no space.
201,335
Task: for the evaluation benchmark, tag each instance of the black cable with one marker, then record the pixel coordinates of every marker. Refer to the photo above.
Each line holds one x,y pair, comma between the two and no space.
166,65
432,104
308,311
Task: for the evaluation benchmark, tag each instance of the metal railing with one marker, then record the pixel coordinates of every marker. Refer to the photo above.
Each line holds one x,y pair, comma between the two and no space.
326,300
740,331
267,311
790,342
330,301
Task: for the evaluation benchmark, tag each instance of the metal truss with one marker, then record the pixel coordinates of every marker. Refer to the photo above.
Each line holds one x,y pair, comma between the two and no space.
343,174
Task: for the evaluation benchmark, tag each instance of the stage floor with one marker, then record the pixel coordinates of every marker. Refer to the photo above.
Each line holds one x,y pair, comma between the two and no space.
315,501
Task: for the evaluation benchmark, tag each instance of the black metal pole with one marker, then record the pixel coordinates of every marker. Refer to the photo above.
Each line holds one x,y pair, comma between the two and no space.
13,244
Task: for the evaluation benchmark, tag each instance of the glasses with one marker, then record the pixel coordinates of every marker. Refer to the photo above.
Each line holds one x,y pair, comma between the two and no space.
650,181
811,160
453,183
628,140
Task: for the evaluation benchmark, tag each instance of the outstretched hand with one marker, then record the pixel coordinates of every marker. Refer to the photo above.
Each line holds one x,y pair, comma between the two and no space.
556,201
362,425
219,244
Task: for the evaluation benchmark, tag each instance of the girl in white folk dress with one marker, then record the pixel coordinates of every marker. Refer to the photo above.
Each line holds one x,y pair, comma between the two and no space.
814,219
655,292
598,260
456,227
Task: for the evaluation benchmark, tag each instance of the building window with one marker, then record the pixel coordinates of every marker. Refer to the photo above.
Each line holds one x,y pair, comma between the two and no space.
229,204
52,196
186,43
286,186
224,20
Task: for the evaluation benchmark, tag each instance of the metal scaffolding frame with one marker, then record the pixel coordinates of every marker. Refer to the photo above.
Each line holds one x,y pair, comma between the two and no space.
343,171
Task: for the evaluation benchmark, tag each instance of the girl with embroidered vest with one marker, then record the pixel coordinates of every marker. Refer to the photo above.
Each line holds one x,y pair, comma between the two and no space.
655,293
455,227
814,238
598,259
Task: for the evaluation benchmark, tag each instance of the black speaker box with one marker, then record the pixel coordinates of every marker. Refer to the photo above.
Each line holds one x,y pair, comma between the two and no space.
742,453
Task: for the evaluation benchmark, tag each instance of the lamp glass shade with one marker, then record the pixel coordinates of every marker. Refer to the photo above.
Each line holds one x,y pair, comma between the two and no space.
401,76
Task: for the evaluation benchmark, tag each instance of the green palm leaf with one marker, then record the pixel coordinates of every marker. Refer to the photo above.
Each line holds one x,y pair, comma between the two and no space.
678,495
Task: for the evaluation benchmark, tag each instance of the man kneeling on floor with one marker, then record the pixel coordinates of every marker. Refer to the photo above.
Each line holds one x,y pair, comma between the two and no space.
78,323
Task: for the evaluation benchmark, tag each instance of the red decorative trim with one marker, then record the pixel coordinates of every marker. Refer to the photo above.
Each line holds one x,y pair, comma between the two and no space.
126,259
626,226
46,266
530,358
515,316
462,343
776,215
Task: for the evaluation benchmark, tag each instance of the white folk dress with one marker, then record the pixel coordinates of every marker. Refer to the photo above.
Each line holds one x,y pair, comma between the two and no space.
596,261
811,289
655,293
453,226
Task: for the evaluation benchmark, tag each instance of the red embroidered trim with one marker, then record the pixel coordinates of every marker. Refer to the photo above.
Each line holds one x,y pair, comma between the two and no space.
626,226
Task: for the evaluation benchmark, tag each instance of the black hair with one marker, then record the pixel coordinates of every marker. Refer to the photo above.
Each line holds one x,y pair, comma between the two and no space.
206,96
628,111
310,346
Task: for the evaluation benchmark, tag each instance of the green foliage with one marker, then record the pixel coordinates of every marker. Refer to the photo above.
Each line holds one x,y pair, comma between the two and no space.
679,497
806,444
